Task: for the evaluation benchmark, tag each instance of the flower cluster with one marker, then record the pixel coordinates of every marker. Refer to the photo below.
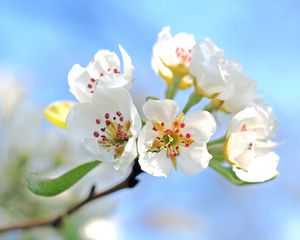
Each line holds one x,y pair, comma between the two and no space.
106,121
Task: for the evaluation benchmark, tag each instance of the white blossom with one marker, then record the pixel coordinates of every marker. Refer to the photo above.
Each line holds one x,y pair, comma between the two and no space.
248,146
107,126
104,71
171,52
220,79
171,140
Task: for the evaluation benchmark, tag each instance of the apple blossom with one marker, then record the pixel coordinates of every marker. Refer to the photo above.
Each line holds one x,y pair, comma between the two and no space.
207,66
239,92
104,71
108,126
173,54
169,139
220,79
248,146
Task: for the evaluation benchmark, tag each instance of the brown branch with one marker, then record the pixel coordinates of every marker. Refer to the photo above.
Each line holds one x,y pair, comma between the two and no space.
58,221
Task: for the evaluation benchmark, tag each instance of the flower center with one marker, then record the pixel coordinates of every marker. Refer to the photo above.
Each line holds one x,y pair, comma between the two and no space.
113,132
171,139
92,84
185,55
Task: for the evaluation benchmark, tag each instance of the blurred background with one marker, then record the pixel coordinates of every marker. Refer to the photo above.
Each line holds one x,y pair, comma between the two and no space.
39,43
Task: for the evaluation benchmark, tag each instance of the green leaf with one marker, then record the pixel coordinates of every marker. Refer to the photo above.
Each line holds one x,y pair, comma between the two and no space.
51,187
228,173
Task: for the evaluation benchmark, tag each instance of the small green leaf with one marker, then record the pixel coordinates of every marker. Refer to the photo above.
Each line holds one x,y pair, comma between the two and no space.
51,187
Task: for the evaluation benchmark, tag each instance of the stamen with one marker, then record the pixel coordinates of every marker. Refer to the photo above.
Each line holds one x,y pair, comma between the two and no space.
96,134
244,127
172,154
171,139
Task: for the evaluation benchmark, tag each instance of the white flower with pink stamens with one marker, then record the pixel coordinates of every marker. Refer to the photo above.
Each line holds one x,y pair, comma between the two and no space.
248,147
171,51
103,72
108,126
172,140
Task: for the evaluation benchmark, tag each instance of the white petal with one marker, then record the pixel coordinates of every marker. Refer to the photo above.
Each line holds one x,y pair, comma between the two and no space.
99,152
104,61
236,121
146,137
257,118
127,63
114,81
161,110
241,90
165,34
260,170
193,159
125,161
201,125
238,148
80,119
156,163
78,78
207,67
158,66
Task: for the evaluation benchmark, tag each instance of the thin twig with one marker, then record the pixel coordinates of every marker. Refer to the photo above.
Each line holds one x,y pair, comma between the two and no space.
58,221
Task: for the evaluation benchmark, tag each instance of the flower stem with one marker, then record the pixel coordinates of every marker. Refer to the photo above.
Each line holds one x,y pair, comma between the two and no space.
210,108
194,99
57,222
173,87
217,141
226,172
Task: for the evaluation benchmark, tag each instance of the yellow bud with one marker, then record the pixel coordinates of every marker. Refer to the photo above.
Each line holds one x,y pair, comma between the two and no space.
57,112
